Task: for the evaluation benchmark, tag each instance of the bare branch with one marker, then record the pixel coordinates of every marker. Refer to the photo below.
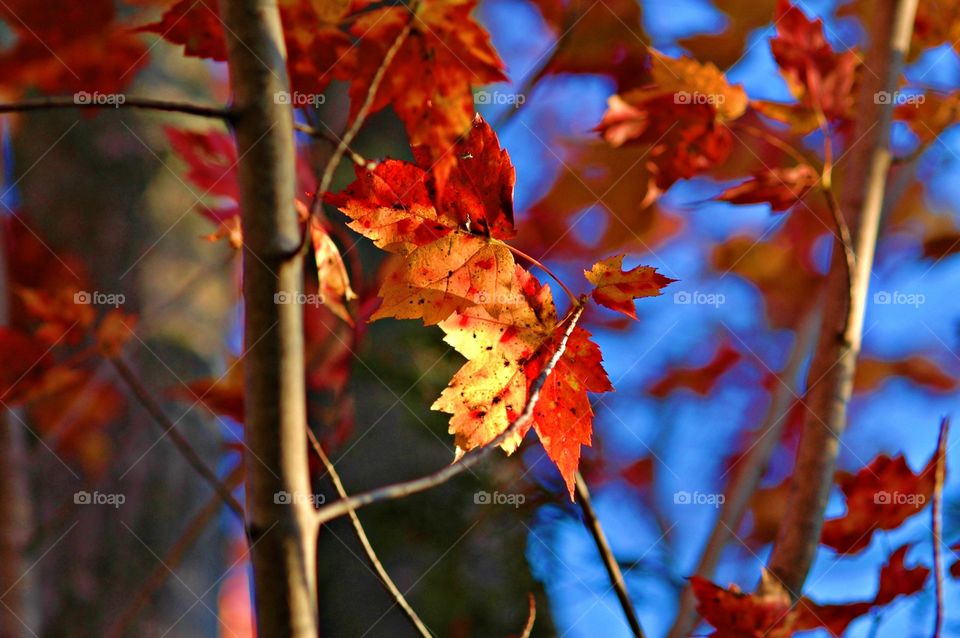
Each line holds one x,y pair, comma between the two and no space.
145,103
361,534
834,362
468,460
609,560
179,441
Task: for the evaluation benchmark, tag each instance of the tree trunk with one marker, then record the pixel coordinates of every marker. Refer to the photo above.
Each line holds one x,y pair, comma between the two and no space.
281,524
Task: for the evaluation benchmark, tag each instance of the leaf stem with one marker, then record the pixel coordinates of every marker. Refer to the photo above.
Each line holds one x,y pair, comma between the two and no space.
538,264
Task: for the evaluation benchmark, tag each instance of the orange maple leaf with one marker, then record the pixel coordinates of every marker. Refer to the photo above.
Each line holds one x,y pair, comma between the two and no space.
616,289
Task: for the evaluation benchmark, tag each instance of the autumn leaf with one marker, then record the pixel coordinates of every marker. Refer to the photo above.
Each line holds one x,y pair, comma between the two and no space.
896,579
681,118
872,372
68,47
617,289
211,160
727,47
334,282
449,253
612,186
429,82
736,614
881,496
114,331
505,354
700,379
317,50
605,38
819,77
782,188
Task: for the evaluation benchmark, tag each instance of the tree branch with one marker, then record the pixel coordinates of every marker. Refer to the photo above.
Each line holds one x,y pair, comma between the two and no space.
609,560
179,441
468,460
748,473
834,362
361,534
280,515
150,104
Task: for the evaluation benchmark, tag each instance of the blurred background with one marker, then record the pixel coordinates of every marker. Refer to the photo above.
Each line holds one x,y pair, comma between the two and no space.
106,202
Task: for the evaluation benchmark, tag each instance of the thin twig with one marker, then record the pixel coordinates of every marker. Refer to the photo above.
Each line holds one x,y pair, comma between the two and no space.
117,101
468,460
378,567
536,262
940,476
531,616
364,110
170,431
318,134
609,560
843,235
